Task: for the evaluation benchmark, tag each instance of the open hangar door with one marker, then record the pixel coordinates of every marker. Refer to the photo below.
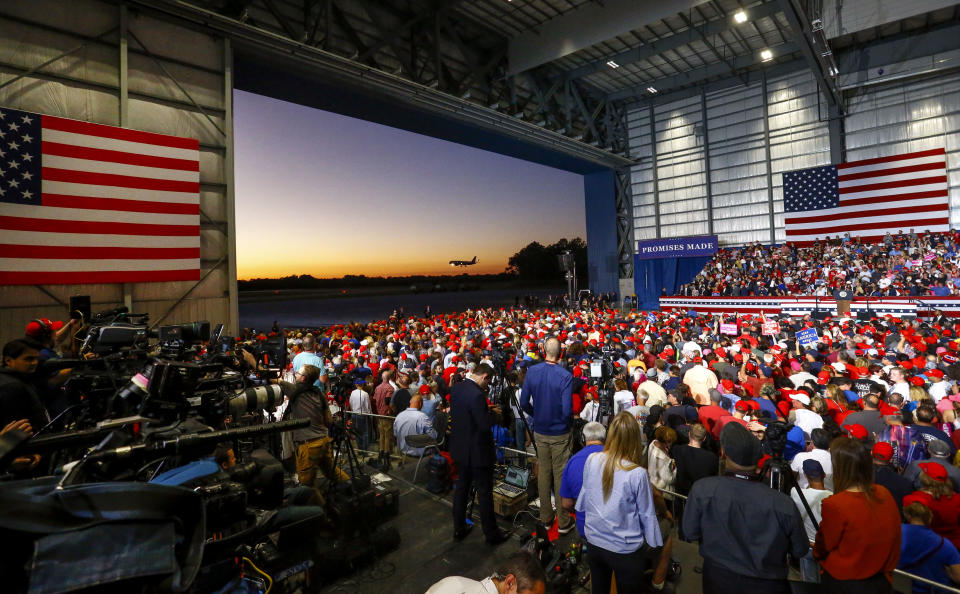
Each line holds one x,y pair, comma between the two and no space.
99,62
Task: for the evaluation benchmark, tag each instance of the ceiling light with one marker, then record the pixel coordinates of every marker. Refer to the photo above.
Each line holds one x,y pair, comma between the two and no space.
740,17
766,55
612,64
651,90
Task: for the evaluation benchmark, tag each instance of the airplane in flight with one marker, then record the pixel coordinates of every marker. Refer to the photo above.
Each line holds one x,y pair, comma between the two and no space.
463,262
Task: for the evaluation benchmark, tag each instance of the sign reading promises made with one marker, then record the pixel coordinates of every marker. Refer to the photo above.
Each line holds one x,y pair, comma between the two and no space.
677,247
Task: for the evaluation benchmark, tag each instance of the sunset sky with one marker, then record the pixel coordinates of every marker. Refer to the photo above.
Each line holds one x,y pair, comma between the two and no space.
323,194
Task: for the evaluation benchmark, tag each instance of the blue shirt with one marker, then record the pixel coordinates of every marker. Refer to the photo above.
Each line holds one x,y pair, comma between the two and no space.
572,480
919,541
429,406
627,518
306,358
550,388
412,422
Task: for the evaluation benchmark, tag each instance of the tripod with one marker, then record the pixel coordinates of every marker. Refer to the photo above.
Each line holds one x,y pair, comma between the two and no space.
343,445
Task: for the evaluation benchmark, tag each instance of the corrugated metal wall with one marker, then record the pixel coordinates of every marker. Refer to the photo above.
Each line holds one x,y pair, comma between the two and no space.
915,115
727,129
135,71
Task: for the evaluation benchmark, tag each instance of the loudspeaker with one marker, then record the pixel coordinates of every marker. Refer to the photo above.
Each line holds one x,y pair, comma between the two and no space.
80,307
866,315
821,315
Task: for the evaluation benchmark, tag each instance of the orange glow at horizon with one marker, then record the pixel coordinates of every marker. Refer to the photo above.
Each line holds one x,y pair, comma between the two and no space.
327,195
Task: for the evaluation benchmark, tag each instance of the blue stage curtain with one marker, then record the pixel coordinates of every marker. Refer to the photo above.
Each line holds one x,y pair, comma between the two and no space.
651,276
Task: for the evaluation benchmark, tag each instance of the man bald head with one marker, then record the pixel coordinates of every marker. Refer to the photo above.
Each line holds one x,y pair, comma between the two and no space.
416,401
551,349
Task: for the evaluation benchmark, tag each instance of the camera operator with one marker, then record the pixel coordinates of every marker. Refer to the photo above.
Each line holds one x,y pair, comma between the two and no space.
312,444
745,528
19,400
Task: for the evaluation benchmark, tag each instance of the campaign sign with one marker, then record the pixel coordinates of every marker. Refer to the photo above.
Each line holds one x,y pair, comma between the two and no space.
771,327
808,337
729,329
677,247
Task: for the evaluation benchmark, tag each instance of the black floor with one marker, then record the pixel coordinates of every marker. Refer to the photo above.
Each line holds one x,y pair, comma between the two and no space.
428,553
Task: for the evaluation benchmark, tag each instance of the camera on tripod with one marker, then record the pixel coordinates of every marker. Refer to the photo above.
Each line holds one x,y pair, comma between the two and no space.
602,372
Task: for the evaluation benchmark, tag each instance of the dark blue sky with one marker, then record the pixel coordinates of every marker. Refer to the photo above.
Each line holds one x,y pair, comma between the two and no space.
323,194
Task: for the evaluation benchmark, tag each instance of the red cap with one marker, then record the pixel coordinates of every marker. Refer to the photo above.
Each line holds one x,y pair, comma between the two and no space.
38,328
882,451
857,431
727,384
916,381
743,405
934,470
424,389
935,373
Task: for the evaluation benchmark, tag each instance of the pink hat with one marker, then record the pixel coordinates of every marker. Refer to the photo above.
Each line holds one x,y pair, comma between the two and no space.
941,350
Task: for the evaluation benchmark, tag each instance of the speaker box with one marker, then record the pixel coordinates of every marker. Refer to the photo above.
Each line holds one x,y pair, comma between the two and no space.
821,315
80,307
866,316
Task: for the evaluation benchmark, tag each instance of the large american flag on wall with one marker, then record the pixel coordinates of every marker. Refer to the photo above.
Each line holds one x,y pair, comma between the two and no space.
89,203
868,198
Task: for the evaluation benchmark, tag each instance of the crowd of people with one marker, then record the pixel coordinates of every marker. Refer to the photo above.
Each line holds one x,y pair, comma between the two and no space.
871,414
903,264
685,433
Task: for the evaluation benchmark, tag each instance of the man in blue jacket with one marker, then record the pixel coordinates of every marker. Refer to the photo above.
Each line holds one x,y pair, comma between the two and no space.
547,395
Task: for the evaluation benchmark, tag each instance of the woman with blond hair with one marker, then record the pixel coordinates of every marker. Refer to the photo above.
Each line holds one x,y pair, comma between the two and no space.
620,521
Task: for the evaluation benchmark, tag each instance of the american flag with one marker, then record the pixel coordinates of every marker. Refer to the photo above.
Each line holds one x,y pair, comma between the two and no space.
868,198
89,203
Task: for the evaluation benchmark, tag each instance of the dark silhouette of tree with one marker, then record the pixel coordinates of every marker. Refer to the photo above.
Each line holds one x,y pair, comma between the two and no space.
539,262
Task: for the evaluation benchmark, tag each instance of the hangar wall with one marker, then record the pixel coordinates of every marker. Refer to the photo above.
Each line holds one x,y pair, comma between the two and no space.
96,61
750,134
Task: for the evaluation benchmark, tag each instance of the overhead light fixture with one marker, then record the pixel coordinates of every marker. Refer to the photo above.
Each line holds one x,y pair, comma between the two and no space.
740,17
766,55
651,90
612,64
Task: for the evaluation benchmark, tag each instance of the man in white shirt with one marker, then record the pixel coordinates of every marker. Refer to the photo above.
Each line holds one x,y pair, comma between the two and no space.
814,493
520,573
820,440
803,417
900,385
360,403
412,421
802,376
938,387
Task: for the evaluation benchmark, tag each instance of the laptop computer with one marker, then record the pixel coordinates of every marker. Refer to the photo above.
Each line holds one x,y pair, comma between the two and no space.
514,482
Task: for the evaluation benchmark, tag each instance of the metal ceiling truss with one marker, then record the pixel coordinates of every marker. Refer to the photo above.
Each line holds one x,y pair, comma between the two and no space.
808,35
441,44
427,55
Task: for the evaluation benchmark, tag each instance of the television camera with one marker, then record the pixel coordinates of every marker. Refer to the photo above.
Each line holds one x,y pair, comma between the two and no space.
602,373
147,406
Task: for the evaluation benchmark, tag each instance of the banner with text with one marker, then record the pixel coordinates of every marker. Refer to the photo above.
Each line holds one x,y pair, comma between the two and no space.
677,247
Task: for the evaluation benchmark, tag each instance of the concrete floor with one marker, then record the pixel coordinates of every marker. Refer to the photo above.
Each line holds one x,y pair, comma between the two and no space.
428,553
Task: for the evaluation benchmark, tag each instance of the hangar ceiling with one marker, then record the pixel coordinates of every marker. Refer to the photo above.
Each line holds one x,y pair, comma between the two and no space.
571,67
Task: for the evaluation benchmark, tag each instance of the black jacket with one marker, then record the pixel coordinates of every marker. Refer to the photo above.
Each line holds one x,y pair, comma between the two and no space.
471,434
19,400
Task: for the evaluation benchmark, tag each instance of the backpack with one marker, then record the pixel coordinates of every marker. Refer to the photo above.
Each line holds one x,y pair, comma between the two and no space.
438,474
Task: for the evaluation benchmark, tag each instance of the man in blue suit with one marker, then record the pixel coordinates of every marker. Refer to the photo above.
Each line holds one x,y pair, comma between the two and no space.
471,446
